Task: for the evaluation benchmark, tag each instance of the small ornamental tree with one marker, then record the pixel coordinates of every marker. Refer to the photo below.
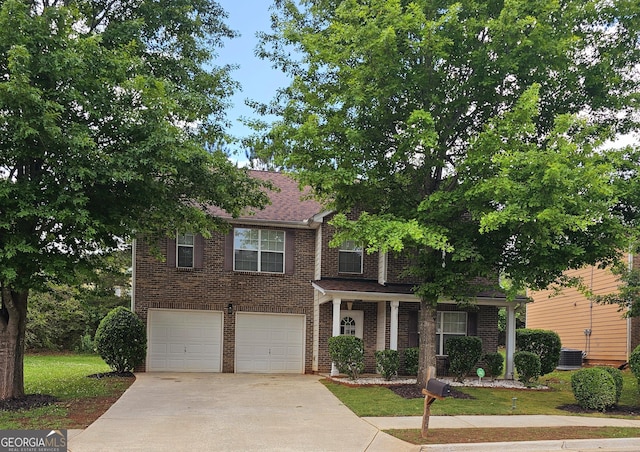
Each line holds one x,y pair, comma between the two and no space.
495,364
411,360
121,340
464,353
347,353
387,363
528,366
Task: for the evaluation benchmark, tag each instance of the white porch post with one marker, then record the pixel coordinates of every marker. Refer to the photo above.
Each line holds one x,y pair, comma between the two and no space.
510,340
393,327
336,328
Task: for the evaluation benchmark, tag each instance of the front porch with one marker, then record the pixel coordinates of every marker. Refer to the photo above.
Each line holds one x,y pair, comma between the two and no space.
386,317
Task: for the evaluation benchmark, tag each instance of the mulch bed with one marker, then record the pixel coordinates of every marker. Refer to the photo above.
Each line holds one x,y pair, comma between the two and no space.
615,410
27,402
112,375
415,392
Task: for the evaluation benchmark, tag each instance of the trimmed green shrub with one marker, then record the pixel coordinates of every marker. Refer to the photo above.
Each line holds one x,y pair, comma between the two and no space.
616,374
347,353
495,364
528,366
121,340
634,364
594,388
411,358
464,353
546,344
387,363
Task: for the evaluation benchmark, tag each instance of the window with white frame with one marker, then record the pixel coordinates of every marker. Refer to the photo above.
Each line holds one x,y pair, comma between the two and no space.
350,257
348,326
258,250
449,324
185,250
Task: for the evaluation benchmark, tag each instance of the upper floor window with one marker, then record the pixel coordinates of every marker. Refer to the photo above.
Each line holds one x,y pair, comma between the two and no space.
449,323
350,258
258,250
185,245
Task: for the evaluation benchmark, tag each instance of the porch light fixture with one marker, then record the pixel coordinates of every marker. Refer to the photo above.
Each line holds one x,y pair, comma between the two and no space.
230,308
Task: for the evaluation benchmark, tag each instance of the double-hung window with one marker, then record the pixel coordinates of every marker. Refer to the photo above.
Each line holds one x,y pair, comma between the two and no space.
350,257
448,324
185,244
258,250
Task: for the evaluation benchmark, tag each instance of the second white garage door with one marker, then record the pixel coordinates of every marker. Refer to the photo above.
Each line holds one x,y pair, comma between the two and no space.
269,343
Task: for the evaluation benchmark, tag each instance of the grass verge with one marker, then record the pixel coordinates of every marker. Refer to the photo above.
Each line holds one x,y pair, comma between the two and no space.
65,376
490,435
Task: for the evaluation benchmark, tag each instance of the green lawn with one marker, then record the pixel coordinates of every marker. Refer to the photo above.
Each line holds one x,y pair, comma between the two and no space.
63,376
380,401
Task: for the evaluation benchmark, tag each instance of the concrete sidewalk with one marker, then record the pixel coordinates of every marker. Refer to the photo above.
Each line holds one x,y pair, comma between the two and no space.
515,421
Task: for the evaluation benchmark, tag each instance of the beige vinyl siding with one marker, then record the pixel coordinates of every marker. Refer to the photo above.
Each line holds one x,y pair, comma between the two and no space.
571,313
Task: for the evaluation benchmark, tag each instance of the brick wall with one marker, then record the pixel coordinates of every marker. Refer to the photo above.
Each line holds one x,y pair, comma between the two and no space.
159,285
485,328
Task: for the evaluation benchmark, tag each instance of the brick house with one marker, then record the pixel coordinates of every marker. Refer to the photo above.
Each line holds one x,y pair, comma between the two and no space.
266,296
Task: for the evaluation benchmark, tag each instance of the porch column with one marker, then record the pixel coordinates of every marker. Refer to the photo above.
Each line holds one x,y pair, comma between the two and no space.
510,340
336,328
393,327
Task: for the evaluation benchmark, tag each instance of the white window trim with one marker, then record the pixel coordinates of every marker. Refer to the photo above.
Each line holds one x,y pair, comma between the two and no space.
440,331
259,251
192,246
356,249
358,317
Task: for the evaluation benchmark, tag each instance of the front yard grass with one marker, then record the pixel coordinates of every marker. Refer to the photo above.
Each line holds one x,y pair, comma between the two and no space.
81,400
380,401
375,401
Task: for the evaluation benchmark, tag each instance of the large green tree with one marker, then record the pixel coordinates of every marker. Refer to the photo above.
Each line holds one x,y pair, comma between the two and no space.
470,132
111,121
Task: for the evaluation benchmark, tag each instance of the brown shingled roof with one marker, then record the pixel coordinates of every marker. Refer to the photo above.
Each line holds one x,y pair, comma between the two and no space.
289,204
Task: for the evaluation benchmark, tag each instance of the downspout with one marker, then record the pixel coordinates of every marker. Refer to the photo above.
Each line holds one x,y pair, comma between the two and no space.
133,275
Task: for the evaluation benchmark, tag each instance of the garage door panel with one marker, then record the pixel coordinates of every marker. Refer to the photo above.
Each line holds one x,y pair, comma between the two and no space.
185,341
269,343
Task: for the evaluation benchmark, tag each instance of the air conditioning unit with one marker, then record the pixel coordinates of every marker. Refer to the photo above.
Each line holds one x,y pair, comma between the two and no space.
570,359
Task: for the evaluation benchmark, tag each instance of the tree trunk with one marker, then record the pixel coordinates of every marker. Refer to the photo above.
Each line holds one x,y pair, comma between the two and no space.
13,321
427,330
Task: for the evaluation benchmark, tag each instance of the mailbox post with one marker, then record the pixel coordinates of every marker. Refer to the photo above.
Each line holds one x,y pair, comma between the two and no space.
435,390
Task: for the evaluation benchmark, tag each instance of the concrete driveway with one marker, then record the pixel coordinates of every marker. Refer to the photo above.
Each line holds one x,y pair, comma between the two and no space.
231,412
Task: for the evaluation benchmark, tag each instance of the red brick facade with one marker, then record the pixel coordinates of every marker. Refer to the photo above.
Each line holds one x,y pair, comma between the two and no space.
213,285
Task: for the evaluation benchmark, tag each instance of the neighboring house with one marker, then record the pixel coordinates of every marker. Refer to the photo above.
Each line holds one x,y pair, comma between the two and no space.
599,331
268,295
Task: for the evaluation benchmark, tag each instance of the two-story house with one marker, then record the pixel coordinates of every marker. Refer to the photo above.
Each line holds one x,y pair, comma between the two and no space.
266,296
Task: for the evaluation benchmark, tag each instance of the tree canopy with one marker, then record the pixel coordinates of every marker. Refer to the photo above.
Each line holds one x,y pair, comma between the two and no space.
111,124
473,132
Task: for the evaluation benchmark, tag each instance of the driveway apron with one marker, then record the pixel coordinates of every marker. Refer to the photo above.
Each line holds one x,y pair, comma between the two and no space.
230,412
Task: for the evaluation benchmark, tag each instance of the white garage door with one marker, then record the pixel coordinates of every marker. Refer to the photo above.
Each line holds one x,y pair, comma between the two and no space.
184,341
269,343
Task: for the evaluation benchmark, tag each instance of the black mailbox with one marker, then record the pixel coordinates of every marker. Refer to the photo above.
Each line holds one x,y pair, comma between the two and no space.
438,387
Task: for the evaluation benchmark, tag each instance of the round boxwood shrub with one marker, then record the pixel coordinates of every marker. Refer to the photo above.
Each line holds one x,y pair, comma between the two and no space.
495,364
616,374
347,353
594,388
464,353
121,340
528,366
387,363
544,343
411,357
634,363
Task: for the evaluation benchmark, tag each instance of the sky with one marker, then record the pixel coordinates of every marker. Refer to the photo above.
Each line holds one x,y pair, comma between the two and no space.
258,79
